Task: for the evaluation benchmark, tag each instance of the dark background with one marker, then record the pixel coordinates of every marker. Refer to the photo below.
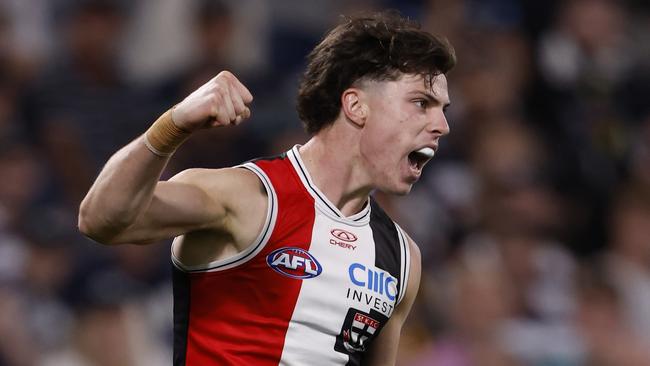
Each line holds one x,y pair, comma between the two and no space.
533,220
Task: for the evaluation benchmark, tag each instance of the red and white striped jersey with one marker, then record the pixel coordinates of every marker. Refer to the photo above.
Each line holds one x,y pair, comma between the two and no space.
315,288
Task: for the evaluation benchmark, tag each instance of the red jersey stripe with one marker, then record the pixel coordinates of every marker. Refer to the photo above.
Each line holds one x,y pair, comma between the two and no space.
239,316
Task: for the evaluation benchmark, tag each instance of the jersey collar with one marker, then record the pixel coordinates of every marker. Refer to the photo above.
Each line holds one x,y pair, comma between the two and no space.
322,202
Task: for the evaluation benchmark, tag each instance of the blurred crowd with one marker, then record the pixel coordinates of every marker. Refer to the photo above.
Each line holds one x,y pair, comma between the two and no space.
533,219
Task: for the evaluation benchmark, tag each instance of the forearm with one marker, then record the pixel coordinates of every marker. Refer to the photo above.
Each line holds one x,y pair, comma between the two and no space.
126,184
123,189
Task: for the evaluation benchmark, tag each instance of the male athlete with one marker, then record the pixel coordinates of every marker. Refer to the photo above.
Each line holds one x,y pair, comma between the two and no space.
289,260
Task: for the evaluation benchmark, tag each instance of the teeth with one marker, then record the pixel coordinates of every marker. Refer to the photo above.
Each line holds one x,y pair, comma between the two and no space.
427,151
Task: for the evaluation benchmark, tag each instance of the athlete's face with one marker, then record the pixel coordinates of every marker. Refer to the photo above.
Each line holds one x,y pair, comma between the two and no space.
405,121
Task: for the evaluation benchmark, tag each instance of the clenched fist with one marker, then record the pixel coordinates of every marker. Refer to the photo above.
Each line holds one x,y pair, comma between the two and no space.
221,101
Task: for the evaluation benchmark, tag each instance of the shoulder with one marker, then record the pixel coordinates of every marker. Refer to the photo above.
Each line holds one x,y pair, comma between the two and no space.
225,178
228,186
404,248
416,256
414,274
381,218
415,271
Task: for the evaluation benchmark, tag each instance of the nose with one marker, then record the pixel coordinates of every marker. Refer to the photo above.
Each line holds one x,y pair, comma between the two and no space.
439,125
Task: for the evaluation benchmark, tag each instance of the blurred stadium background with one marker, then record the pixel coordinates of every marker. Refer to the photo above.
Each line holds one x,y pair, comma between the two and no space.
533,220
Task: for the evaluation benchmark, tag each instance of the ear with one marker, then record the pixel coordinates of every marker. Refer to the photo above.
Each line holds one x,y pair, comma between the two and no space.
354,107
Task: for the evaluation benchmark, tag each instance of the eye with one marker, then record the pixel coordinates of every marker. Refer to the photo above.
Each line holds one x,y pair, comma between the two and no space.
421,103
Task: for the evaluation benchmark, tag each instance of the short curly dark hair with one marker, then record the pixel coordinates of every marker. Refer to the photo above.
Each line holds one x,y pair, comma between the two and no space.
379,47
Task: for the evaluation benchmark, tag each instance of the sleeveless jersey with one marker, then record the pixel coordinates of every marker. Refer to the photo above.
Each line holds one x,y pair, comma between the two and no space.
315,288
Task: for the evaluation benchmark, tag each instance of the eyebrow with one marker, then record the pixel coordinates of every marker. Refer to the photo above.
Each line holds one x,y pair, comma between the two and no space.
430,97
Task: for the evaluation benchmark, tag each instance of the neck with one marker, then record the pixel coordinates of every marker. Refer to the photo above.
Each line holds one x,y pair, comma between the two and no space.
333,162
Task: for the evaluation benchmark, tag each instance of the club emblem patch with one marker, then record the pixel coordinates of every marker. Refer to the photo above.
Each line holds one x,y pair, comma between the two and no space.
359,328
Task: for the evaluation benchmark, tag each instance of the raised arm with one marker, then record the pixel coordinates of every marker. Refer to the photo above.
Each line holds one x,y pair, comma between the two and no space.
126,203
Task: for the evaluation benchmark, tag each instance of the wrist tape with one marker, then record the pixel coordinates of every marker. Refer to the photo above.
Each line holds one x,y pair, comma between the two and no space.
164,137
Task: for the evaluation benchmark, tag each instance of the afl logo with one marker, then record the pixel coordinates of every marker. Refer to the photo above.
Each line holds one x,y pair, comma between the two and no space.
344,235
294,262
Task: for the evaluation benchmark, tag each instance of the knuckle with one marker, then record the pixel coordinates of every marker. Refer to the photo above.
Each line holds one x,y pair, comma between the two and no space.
214,99
225,74
217,88
211,85
238,104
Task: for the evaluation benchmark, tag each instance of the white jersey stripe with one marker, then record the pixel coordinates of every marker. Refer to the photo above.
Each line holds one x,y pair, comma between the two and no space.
405,262
316,321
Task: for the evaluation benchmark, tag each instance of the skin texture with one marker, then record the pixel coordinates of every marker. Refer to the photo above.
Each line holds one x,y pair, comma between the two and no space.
405,115
367,147
216,213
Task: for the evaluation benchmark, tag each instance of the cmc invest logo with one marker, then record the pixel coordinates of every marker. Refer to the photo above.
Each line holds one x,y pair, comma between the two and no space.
344,235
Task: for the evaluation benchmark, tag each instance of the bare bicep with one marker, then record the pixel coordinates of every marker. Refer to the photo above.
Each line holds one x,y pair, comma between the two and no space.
199,199
176,208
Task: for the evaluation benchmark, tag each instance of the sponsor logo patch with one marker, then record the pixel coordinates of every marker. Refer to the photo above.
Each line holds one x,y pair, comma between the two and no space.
294,262
343,239
373,279
344,235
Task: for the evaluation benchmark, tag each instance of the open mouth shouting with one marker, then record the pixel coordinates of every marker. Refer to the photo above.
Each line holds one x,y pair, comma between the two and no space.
418,158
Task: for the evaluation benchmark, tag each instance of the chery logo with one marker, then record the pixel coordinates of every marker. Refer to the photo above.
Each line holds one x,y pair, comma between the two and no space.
344,239
344,235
